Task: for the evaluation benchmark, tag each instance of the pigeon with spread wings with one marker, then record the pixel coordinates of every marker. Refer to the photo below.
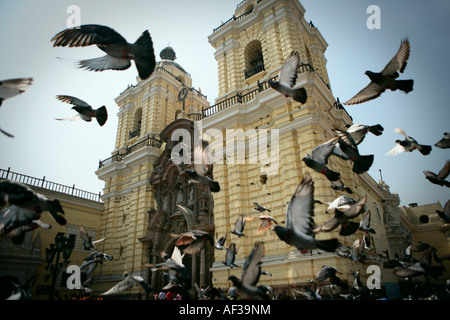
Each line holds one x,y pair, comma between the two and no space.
202,167
21,195
251,272
287,79
119,52
299,220
130,281
409,144
444,143
361,163
318,159
439,178
387,78
88,243
10,88
85,111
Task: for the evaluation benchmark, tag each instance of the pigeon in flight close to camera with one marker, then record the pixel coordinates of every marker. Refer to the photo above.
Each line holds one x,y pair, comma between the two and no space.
10,88
387,78
299,220
85,111
445,215
439,178
119,52
361,163
409,144
130,281
288,77
21,195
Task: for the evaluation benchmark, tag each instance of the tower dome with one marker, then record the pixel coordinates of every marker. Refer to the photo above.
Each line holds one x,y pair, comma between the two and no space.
168,54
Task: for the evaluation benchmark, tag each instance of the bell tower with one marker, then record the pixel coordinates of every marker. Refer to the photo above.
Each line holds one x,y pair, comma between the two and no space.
250,48
145,110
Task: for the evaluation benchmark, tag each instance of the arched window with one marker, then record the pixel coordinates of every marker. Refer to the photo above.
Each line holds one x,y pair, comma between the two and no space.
137,122
254,61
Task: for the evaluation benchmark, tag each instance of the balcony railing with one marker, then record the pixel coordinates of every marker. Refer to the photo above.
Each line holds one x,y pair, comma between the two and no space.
252,72
49,185
118,156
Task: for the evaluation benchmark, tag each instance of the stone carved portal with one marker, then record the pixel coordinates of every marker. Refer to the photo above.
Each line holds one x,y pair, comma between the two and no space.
170,188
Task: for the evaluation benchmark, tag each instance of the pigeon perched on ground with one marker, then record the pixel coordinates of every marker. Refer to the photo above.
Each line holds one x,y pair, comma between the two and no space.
409,144
130,281
85,111
88,244
318,159
231,256
19,194
202,167
266,222
349,147
444,143
445,215
195,240
239,226
260,208
386,79
16,221
287,79
299,220
10,88
251,272
119,52
439,178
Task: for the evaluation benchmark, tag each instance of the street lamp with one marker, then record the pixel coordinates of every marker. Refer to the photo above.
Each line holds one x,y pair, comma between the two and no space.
64,245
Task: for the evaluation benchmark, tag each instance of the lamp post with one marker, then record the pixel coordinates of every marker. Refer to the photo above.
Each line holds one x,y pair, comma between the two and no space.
62,245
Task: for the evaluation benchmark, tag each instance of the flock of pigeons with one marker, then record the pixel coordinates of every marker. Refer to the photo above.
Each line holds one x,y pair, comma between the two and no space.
22,206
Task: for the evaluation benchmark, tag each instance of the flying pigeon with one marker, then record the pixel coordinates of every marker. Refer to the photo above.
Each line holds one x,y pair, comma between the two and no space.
386,79
287,79
92,260
173,264
19,194
220,242
231,256
239,226
260,208
408,144
119,52
416,269
445,215
439,178
202,167
195,240
299,220
349,148
342,218
10,88
85,111
88,244
318,159
364,224
326,272
444,143
359,131
338,185
266,223
128,282
16,221
341,203
251,272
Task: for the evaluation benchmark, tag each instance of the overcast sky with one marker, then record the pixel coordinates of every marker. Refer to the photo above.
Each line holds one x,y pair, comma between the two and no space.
68,152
